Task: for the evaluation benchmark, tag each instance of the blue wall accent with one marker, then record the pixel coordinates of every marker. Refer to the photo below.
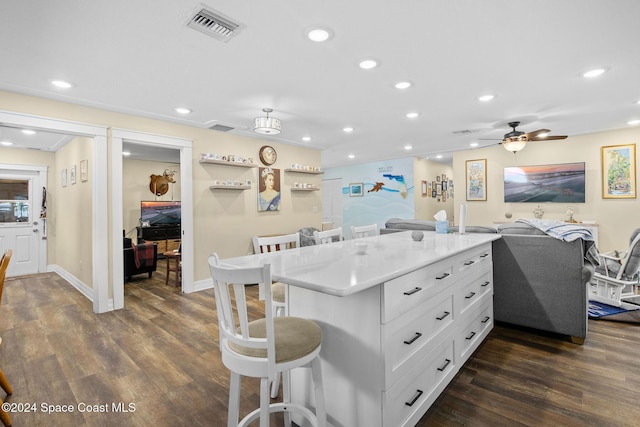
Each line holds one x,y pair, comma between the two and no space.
387,192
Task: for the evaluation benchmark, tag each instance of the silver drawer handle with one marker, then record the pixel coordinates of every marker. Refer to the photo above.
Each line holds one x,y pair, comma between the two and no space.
443,276
415,398
484,255
443,367
413,291
445,314
411,341
471,335
486,319
485,283
471,295
469,262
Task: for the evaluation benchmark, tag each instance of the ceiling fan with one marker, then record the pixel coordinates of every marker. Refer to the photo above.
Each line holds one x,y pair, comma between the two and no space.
516,140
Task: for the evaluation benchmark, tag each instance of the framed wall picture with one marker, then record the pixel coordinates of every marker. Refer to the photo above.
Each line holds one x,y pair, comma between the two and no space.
438,189
72,174
619,171
356,189
476,177
84,170
424,188
444,185
434,193
269,190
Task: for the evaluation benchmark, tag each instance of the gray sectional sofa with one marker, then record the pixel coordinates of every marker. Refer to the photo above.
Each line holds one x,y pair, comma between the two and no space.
539,281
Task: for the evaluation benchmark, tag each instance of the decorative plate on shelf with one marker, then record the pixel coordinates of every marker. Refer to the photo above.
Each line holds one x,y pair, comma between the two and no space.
268,155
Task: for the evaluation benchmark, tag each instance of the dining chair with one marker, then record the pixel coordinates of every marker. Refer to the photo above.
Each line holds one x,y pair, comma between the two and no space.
263,348
328,236
364,231
4,264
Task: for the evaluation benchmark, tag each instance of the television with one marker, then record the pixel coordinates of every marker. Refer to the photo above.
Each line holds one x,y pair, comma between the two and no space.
160,214
559,183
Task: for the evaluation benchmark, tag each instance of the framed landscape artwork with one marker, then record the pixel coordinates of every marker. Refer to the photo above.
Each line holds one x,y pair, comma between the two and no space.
356,189
476,177
619,171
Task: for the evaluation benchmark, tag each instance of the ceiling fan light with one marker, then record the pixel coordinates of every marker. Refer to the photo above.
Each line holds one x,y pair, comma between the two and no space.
514,145
267,125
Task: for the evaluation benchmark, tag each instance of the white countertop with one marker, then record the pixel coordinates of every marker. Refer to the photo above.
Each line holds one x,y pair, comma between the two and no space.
337,269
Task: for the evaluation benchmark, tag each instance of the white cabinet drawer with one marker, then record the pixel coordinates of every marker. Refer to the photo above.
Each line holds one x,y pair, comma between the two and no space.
471,291
475,331
474,260
409,338
409,398
406,292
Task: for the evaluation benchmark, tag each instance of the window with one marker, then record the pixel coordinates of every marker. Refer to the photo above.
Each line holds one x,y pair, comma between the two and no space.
14,200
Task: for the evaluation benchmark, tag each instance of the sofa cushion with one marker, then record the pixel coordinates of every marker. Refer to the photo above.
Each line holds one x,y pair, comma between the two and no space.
474,229
519,228
410,224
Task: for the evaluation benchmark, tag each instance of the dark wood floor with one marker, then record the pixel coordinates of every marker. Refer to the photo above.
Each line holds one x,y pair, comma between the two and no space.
160,354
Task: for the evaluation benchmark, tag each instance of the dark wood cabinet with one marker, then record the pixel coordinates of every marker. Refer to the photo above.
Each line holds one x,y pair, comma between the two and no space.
167,238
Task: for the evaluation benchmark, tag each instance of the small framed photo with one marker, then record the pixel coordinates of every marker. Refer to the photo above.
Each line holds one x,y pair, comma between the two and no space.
356,189
438,178
444,177
84,166
439,189
72,174
434,193
619,172
424,188
444,185
63,177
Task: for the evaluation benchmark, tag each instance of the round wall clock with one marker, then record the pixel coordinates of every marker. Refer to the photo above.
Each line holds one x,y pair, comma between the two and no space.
268,155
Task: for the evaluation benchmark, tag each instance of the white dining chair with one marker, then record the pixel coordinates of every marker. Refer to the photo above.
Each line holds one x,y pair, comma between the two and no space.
264,348
279,290
364,231
328,236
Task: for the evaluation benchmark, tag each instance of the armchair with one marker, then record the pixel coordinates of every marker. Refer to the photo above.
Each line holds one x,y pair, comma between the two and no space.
616,280
139,259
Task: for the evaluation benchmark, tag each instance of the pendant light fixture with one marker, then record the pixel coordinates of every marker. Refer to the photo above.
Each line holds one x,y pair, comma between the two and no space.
267,125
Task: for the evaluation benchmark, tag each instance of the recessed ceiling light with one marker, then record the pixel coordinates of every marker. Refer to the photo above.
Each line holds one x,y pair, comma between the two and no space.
408,147
412,115
62,84
403,85
348,129
633,122
352,156
594,73
28,132
486,98
182,110
319,34
638,102
439,156
6,143
474,144
368,64
126,153
306,138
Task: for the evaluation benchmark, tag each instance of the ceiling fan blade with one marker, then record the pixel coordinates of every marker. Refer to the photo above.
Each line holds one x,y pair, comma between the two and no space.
549,138
535,133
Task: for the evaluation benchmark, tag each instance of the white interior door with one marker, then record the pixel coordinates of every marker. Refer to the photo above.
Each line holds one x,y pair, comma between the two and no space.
332,201
21,228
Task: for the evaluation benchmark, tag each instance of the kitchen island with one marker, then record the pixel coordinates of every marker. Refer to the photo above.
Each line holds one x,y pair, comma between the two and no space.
398,321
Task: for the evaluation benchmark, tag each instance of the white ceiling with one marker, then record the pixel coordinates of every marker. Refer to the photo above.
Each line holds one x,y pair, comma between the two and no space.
139,57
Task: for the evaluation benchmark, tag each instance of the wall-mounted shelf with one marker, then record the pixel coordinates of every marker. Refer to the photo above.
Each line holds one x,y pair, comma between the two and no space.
224,162
305,189
229,187
314,172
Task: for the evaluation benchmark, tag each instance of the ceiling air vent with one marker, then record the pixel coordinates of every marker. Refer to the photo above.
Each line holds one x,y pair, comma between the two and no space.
213,24
222,128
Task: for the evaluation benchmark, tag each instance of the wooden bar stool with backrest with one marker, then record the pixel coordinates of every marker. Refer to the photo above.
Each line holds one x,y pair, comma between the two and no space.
264,348
4,264
278,289
328,236
358,232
